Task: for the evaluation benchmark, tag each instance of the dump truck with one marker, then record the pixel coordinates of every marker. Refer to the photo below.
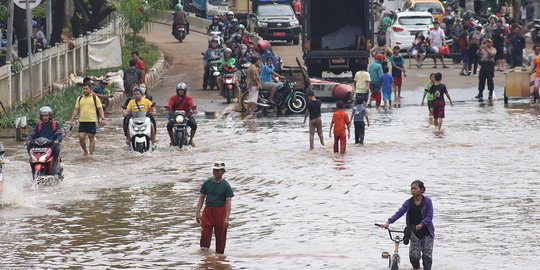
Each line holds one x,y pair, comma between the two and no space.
337,35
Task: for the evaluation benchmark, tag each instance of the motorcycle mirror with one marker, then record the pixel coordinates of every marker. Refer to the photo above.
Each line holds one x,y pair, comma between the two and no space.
202,54
123,107
153,104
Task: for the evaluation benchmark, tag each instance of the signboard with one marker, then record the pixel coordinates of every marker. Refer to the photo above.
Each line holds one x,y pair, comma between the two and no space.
22,3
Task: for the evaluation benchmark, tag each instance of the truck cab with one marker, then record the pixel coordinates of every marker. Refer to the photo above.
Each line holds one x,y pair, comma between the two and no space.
337,35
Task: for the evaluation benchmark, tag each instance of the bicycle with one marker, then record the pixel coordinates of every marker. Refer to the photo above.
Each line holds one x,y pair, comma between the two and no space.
393,261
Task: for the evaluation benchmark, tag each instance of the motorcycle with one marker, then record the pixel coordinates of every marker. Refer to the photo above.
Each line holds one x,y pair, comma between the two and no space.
286,97
230,87
214,73
44,169
180,32
242,74
180,127
534,27
140,132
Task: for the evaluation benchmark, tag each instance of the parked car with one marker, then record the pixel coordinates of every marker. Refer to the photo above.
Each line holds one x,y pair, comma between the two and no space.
275,22
405,27
434,6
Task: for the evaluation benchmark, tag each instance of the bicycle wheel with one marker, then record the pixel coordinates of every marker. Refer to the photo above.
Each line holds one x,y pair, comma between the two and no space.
395,262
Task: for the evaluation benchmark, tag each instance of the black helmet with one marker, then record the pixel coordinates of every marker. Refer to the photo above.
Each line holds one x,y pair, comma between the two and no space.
449,19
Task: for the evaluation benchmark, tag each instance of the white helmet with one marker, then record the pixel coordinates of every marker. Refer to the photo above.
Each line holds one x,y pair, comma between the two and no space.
46,110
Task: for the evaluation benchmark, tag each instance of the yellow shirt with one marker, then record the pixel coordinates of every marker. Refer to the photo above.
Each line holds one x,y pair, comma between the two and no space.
87,108
362,78
145,105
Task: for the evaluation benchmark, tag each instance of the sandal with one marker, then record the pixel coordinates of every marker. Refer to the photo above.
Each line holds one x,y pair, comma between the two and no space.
445,66
462,74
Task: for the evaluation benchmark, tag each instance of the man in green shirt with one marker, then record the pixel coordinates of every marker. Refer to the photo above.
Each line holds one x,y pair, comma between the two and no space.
215,217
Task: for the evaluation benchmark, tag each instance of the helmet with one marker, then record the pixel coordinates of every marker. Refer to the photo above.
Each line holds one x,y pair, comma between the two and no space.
214,38
379,57
235,20
230,14
449,19
227,50
178,7
241,26
181,86
136,88
262,45
243,48
46,110
215,18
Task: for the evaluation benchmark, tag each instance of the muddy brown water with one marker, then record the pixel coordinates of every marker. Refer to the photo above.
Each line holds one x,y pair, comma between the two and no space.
293,208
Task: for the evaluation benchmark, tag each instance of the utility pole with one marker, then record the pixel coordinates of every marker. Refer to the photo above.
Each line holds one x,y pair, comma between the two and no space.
29,43
9,57
49,21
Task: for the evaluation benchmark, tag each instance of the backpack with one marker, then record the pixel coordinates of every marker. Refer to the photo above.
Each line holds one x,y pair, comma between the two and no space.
130,79
95,103
40,127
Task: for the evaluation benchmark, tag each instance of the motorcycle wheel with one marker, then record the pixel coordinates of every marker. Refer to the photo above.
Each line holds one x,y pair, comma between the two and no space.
297,105
139,147
229,94
180,139
38,177
212,82
245,102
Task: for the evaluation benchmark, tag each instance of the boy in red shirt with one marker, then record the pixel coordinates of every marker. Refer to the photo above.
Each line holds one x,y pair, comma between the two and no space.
340,120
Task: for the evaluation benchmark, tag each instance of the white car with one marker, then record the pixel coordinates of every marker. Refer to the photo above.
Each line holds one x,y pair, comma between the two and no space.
405,26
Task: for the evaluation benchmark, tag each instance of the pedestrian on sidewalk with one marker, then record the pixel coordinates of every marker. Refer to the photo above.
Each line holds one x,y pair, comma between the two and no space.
438,90
518,43
91,114
475,40
429,97
419,218
387,82
340,121
463,44
358,113
436,41
362,81
398,71
486,55
313,109
536,69
498,42
216,193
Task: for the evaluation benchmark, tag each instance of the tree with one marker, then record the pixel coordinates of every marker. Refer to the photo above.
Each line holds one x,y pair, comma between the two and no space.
138,14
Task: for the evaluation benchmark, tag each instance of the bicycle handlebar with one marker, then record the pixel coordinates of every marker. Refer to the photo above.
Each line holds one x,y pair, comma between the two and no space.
396,239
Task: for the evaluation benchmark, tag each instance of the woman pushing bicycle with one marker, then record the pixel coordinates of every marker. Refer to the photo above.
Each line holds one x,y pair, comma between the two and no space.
419,219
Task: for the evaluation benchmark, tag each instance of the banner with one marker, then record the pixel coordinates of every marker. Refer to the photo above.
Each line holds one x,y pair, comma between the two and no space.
105,54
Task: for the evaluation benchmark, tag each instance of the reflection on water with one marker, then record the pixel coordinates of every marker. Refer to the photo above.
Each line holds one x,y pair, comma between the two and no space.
294,208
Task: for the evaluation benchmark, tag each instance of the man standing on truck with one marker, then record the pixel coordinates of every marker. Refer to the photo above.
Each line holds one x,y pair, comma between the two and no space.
375,72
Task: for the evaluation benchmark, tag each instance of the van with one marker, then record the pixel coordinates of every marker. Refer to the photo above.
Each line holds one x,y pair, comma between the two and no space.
438,11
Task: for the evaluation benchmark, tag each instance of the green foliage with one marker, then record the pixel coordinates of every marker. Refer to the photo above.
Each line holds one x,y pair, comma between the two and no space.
3,13
138,14
62,102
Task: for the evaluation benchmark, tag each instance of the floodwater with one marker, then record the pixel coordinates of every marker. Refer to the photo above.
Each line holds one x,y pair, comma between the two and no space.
293,208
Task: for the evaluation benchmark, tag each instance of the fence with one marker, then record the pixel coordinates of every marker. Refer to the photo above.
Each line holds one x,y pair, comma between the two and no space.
51,66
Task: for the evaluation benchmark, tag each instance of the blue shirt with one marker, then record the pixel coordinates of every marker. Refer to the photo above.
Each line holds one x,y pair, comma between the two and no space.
99,90
387,83
359,112
266,74
375,72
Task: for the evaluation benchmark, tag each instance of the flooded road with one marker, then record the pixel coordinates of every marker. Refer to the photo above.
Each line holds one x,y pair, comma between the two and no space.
293,208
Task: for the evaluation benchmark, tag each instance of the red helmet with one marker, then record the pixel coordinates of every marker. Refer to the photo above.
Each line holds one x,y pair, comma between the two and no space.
379,57
262,45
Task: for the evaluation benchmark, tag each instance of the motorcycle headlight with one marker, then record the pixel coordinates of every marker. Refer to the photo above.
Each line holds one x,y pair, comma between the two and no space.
262,24
136,128
179,118
143,127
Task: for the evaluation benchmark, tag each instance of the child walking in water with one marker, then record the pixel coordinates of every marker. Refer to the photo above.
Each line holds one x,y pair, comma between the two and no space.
398,71
387,81
358,114
439,91
429,97
340,120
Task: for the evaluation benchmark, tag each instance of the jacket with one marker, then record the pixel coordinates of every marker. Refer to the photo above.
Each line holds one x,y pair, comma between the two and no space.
427,214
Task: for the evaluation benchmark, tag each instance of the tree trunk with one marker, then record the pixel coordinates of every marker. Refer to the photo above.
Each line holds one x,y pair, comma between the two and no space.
59,17
19,23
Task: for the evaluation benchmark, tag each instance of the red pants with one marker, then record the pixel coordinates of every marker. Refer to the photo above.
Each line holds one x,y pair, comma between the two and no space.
340,143
213,219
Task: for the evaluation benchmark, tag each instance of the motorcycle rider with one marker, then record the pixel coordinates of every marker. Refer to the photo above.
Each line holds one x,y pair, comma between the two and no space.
231,29
179,18
240,36
181,101
267,78
140,103
245,55
212,53
215,26
47,128
227,24
227,61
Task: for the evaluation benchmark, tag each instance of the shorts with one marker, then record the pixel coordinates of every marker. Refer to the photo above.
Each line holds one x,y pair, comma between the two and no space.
398,81
363,96
438,109
430,104
377,97
536,82
270,85
435,49
415,52
465,57
387,96
87,127
253,94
